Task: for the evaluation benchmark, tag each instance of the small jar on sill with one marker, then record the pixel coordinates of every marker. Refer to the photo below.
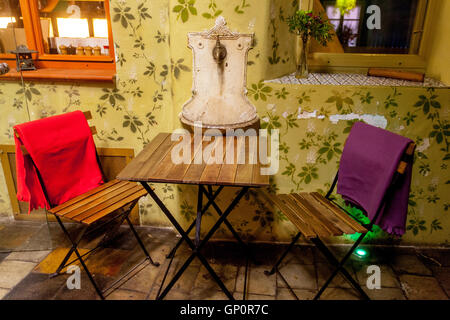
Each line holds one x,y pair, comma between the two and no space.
80,51
63,49
97,51
71,49
88,51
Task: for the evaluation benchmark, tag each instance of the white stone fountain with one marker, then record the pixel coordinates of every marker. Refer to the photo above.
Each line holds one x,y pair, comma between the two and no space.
219,95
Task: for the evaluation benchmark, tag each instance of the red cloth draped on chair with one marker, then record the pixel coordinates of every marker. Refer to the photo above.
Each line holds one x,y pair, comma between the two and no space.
63,151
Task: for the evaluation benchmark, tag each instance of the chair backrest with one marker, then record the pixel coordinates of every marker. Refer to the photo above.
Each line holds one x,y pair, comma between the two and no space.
407,158
401,168
88,116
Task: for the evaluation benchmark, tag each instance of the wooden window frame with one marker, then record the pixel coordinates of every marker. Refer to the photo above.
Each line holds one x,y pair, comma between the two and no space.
361,62
76,67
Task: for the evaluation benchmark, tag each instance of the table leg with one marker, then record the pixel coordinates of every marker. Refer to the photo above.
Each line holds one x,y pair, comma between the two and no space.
210,201
195,249
199,216
226,222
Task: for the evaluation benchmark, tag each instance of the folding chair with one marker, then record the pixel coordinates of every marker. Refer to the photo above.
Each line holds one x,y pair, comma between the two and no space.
111,202
316,216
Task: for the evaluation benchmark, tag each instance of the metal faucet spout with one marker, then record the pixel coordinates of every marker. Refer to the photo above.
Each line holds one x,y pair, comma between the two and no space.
219,52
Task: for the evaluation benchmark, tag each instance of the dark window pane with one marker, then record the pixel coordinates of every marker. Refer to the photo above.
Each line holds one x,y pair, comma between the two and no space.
357,30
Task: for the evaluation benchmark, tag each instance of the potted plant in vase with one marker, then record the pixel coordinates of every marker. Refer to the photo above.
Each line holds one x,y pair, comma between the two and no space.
307,25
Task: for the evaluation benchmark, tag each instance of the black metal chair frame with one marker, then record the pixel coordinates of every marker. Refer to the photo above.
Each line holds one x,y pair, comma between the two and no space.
198,244
75,241
339,265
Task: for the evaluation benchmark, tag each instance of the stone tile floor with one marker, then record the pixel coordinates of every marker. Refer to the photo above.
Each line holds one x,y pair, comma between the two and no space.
27,258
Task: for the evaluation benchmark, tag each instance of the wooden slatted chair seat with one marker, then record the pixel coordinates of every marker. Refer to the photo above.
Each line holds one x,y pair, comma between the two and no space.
315,216
100,202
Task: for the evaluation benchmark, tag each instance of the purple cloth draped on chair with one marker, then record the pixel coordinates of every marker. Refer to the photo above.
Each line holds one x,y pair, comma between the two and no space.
369,160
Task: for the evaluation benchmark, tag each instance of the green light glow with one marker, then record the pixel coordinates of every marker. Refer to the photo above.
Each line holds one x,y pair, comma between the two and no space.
361,253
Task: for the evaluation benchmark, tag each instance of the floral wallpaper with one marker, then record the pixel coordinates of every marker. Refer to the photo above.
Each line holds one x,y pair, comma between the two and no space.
154,80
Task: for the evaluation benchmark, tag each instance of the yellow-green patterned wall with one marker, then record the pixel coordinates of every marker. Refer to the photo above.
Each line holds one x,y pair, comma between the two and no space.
154,80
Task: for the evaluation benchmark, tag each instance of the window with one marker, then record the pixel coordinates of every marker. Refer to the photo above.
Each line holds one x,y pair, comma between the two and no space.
374,26
346,24
4,21
371,33
73,35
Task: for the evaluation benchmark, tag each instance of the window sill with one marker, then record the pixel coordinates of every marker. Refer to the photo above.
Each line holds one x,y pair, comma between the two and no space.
354,79
54,74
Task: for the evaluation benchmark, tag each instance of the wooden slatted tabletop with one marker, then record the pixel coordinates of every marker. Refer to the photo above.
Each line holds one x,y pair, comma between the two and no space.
154,164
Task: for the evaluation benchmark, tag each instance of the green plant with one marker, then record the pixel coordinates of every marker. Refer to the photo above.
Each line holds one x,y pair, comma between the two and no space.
306,24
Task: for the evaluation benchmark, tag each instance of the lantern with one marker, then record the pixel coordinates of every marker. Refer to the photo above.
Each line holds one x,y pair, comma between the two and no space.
24,60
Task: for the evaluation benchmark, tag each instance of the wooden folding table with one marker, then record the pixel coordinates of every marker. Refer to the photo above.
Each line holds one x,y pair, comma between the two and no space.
154,164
